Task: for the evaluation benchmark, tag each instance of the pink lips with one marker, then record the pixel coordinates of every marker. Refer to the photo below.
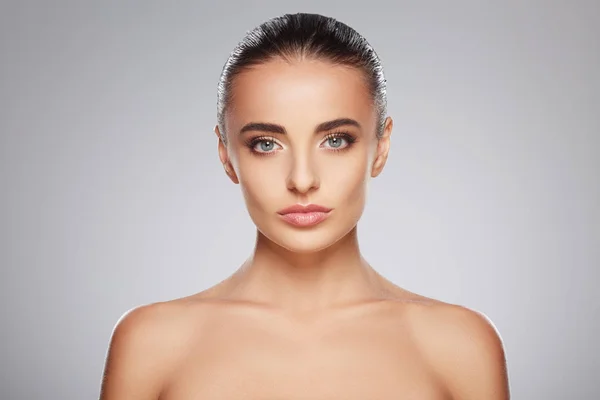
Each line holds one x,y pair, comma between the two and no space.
308,215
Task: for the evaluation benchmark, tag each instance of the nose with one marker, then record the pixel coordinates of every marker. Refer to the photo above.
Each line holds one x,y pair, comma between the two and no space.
303,176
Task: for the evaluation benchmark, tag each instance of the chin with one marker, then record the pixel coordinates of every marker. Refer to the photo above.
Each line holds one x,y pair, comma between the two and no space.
303,245
304,241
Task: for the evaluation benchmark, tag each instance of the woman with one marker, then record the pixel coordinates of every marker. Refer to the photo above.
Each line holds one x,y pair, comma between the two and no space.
302,127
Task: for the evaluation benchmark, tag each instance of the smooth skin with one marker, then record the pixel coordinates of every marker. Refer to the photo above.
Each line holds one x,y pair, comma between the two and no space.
305,317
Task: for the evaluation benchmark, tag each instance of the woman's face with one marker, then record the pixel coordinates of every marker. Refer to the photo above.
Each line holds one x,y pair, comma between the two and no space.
303,133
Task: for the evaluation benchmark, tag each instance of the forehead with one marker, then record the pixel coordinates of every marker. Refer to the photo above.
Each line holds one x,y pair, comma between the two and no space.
300,94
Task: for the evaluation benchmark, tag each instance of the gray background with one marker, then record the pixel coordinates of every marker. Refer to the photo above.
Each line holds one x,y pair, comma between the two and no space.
113,196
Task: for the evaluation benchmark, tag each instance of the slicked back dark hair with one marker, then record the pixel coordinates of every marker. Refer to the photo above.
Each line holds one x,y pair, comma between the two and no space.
298,36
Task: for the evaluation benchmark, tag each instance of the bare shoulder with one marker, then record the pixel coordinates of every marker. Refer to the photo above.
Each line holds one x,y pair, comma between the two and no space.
463,346
145,347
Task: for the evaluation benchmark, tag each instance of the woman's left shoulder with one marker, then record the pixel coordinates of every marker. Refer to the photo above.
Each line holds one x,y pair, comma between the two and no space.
458,323
464,346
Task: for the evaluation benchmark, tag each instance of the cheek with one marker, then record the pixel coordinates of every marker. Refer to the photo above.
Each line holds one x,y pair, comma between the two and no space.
346,177
262,181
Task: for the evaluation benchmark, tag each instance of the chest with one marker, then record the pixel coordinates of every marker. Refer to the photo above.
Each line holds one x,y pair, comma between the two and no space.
271,371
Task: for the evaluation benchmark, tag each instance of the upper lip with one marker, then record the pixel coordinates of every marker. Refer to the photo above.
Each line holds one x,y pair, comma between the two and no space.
299,208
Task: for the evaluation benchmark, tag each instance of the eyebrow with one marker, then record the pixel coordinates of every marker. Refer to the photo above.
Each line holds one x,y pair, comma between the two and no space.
274,128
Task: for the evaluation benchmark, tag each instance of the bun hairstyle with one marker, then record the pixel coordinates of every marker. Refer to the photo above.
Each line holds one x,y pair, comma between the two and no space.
302,35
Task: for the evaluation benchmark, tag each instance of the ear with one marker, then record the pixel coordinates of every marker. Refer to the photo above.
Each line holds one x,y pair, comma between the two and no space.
224,157
383,148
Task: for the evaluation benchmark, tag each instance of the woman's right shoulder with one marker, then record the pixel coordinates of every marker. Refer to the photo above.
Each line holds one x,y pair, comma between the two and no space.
147,344
161,322
147,322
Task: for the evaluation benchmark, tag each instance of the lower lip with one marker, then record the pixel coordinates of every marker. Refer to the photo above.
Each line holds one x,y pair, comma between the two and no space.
305,219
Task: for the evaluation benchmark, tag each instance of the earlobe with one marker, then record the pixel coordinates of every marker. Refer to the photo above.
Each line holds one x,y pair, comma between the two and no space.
231,173
378,165
224,158
383,148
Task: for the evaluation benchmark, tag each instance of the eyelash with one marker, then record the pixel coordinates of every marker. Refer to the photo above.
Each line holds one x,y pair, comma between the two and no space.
350,140
252,142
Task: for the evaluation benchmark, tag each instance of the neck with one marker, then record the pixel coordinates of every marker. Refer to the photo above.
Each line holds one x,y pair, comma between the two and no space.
333,276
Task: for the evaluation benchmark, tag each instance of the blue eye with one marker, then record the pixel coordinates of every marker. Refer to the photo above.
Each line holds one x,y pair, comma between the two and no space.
335,142
266,145
338,141
263,145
